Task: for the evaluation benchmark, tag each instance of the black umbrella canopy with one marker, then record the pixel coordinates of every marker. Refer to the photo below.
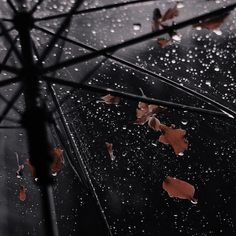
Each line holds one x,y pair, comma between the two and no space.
96,191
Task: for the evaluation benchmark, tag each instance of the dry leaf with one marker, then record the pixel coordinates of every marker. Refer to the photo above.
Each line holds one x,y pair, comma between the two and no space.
177,188
174,137
22,193
170,13
163,42
58,160
109,99
212,24
110,150
154,123
145,111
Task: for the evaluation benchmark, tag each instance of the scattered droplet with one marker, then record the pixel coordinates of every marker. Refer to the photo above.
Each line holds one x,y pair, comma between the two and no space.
137,26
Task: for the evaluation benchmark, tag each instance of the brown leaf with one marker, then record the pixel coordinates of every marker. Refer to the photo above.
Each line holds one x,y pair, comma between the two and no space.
110,150
174,137
170,13
58,160
212,24
163,42
145,111
154,123
177,188
109,99
22,193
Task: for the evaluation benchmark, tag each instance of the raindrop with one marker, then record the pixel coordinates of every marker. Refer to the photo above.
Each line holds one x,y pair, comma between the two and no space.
137,26
194,201
208,82
184,122
180,5
217,69
181,154
217,31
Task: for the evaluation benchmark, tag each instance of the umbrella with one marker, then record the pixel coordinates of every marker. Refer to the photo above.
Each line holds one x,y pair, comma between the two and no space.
101,50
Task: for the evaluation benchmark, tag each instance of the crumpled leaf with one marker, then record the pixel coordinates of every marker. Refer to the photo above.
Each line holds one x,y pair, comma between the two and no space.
170,13
58,160
177,188
174,137
159,22
22,193
212,24
110,150
163,42
145,111
109,99
154,123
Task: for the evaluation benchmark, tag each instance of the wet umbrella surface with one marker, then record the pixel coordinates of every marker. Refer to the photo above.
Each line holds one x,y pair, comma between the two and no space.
124,165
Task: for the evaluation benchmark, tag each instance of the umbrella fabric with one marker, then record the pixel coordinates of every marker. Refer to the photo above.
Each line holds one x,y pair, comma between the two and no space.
128,178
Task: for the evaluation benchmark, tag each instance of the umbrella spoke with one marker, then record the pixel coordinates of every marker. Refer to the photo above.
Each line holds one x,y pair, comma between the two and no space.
11,104
131,96
11,5
60,30
11,127
8,54
142,38
7,102
8,30
10,69
94,9
150,73
34,8
10,41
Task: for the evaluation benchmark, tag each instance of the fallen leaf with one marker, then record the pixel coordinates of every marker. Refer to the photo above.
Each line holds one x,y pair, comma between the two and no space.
145,111
58,160
174,137
109,99
22,193
177,188
170,13
154,123
163,42
212,24
110,150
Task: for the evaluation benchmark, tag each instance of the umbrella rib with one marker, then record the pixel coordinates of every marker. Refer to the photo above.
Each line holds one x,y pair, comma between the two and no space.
8,54
142,38
34,8
10,41
82,164
10,69
94,9
11,127
60,30
11,103
150,73
7,30
7,102
11,5
131,96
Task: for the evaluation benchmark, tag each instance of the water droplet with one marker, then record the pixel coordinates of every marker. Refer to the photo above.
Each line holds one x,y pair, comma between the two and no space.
181,154
184,122
217,69
137,26
194,201
217,31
